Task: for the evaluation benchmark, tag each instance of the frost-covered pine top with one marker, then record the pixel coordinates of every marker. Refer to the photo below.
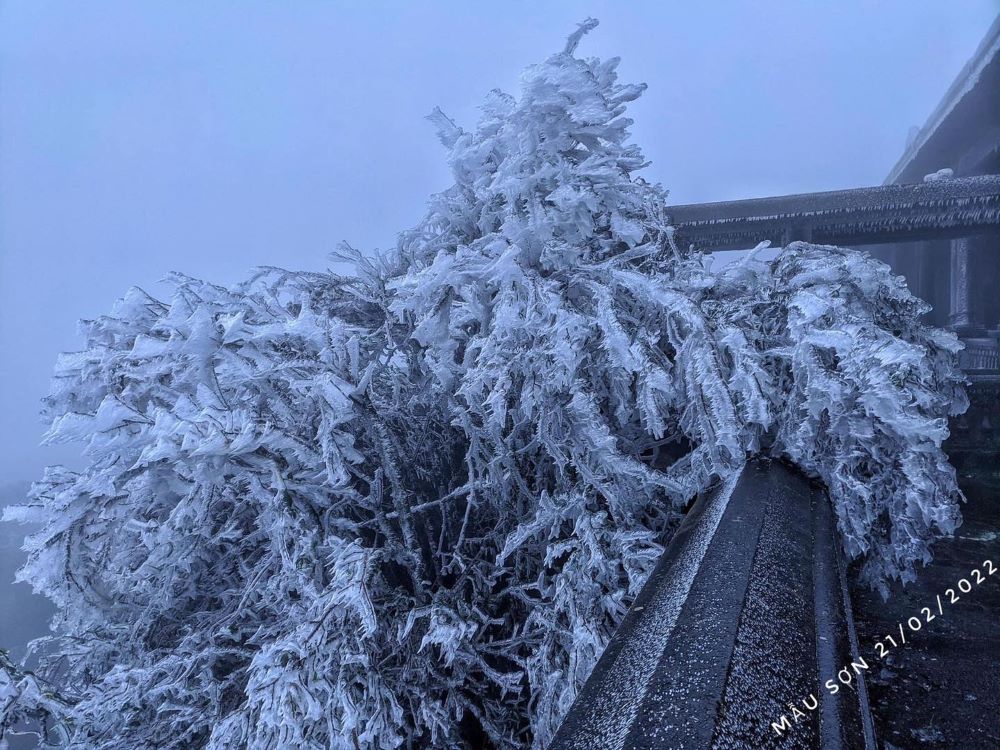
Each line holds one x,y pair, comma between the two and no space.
408,507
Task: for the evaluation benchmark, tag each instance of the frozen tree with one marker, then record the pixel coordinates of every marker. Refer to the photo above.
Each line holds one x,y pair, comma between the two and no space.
409,506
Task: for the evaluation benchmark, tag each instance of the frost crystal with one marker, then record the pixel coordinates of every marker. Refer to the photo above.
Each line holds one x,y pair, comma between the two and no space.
410,506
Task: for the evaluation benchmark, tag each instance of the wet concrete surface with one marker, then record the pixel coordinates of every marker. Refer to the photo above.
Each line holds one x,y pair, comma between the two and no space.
942,688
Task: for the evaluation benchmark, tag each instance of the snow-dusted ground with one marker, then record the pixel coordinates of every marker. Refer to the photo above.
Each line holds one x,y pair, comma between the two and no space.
942,689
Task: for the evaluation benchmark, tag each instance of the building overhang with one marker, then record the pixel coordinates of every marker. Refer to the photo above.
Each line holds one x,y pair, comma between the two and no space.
963,131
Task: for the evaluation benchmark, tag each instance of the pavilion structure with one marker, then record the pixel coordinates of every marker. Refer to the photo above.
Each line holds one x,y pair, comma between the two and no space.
959,276
935,220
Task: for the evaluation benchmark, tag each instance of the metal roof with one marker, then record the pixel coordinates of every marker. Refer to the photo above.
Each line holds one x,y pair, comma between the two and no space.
978,80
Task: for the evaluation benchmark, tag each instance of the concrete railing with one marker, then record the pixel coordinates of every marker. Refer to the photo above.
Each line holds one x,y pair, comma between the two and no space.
742,637
980,355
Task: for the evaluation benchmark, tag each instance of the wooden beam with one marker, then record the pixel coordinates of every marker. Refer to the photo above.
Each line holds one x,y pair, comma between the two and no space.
938,210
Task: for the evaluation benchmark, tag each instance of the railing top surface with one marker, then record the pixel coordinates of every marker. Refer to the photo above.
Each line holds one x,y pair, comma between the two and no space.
752,577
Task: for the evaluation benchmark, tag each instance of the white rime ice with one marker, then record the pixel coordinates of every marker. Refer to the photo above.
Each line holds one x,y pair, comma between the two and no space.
408,507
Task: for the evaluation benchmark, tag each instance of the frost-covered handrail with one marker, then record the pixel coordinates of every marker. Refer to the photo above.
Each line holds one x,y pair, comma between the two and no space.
942,209
742,636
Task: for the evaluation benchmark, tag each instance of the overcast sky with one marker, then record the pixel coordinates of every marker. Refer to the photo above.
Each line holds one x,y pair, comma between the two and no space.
140,138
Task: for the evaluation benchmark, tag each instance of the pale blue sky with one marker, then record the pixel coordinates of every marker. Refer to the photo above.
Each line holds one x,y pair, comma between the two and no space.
142,137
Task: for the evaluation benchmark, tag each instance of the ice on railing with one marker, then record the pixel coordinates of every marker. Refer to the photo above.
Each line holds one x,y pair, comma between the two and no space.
860,216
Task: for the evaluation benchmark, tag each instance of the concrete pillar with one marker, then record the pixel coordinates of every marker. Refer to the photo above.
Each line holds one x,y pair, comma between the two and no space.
975,279
986,280
960,316
938,289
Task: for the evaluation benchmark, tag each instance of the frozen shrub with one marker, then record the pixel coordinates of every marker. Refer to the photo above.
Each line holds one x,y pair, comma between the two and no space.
408,507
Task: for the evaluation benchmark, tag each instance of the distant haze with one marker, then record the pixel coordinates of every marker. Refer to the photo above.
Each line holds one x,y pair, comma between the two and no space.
22,614
140,138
